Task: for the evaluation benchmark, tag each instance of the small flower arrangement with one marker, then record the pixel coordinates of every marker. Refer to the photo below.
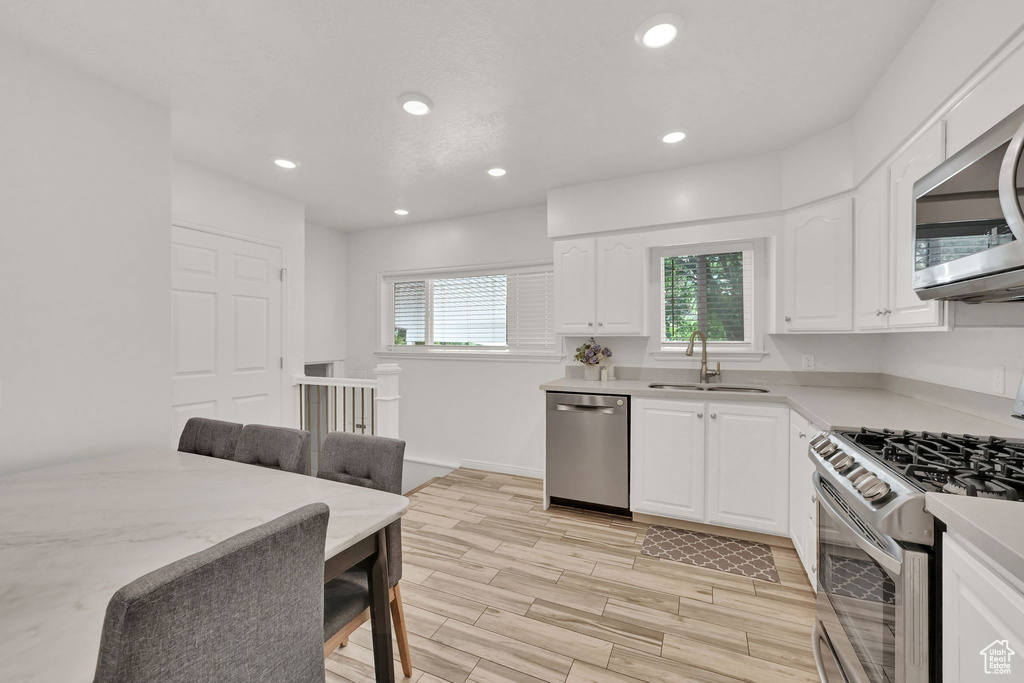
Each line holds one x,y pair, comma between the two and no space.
592,353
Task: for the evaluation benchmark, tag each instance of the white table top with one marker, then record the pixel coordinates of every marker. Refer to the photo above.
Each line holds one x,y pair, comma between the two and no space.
71,535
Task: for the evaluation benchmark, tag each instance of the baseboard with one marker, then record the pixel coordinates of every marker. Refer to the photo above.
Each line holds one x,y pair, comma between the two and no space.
504,469
742,534
433,463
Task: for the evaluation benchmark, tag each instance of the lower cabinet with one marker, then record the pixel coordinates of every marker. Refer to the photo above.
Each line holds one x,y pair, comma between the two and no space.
803,503
982,618
720,463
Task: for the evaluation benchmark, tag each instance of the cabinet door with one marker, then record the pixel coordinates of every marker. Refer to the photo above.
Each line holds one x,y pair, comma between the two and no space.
905,308
748,467
575,298
871,253
621,285
817,274
802,503
981,614
667,458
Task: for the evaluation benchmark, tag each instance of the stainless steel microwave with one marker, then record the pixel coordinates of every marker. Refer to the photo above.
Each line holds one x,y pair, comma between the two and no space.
968,221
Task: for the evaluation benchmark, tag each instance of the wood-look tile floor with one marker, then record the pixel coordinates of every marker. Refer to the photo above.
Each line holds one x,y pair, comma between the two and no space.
498,590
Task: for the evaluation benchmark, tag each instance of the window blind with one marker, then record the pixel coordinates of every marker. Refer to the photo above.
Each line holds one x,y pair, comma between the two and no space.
712,293
502,310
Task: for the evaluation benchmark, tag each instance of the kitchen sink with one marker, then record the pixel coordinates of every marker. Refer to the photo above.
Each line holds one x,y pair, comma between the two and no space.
708,387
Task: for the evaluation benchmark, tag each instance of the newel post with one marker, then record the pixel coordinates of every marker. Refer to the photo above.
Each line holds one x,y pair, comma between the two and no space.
387,399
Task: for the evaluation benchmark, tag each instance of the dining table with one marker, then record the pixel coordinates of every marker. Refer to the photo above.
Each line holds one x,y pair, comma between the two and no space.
72,534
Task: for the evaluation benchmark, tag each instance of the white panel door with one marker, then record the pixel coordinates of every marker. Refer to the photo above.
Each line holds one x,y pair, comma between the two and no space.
575,298
871,253
621,283
667,458
906,309
748,467
979,610
226,307
818,269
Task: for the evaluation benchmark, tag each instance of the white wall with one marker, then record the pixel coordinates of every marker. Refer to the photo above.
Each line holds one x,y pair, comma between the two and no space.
85,358
481,413
201,197
326,285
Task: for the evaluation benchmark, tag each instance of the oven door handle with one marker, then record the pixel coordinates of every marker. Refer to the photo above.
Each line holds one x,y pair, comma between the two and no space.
819,660
891,561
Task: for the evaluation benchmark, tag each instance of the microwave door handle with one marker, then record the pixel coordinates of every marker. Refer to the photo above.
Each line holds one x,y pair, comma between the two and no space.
889,561
1008,199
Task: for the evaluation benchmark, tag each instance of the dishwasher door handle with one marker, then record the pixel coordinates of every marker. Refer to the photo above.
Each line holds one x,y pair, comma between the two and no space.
583,408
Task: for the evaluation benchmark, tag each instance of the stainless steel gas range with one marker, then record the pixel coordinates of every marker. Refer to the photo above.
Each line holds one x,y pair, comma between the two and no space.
877,615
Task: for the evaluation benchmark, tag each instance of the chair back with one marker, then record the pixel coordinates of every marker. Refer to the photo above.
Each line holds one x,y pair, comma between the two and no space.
280,448
247,610
215,438
374,462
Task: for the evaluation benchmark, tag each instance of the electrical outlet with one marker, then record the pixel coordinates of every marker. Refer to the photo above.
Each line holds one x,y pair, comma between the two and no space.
999,379
807,362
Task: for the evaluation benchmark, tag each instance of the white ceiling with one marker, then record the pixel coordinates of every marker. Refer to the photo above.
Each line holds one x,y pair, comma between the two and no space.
557,91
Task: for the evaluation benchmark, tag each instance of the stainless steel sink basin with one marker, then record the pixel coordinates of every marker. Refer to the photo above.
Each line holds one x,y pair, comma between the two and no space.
708,387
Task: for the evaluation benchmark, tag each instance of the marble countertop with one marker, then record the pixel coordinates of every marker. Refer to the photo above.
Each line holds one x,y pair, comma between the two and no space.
992,526
826,407
71,535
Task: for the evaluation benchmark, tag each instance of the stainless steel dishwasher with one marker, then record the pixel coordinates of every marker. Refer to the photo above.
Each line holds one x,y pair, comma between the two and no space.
588,451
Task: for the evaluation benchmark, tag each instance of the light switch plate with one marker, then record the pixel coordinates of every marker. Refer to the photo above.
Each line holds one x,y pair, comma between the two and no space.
999,379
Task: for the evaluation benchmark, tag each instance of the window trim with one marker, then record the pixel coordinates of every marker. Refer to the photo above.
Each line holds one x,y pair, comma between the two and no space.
385,317
760,292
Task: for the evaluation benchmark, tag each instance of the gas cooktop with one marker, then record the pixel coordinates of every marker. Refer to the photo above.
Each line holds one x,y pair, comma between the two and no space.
962,464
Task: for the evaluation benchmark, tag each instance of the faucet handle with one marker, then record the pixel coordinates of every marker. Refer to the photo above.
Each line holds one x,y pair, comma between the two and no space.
717,372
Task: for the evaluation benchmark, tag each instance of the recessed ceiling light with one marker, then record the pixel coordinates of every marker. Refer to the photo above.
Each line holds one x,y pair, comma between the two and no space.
286,163
416,104
497,172
674,136
659,31
401,212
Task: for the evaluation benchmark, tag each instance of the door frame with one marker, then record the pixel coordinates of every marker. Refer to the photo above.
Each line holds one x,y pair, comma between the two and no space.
285,407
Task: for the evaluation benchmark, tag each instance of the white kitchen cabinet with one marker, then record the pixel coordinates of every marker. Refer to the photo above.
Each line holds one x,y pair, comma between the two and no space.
748,466
817,268
600,286
667,456
980,610
803,507
871,253
719,463
906,309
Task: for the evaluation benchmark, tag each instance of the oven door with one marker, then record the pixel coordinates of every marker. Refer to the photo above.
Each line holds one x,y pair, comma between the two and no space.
873,597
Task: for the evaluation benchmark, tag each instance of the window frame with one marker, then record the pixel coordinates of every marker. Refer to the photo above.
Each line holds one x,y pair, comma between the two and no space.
753,348
386,316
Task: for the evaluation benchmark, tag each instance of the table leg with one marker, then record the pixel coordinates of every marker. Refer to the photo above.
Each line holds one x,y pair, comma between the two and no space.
380,619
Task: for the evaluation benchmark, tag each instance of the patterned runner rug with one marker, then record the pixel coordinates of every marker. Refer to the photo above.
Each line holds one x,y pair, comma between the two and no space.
746,558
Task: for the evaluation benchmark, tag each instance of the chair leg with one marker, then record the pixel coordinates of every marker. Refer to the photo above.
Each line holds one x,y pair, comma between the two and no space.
398,618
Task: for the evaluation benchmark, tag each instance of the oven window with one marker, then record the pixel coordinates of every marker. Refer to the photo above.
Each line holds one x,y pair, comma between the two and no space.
962,216
863,596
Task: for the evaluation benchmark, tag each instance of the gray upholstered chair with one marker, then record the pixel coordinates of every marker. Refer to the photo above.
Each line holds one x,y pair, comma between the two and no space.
247,610
279,448
210,437
373,462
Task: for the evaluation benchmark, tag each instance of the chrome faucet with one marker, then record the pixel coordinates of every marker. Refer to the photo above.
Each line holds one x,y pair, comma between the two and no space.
705,374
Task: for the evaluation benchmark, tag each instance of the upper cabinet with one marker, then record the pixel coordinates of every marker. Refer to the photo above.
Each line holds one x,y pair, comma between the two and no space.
600,286
817,268
884,296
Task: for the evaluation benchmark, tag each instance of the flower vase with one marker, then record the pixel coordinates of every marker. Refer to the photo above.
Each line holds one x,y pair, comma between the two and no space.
592,372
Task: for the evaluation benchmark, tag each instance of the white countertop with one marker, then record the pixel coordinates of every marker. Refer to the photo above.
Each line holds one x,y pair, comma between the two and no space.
71,535
826,407
993,526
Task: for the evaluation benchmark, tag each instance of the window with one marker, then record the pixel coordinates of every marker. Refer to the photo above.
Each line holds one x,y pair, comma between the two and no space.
506,310
710,290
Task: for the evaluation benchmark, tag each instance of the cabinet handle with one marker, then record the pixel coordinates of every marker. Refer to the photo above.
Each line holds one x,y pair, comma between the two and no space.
802,435
814,497
714,416
814,568
590,324
788,319
878,313
886,311
600,324
700,415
